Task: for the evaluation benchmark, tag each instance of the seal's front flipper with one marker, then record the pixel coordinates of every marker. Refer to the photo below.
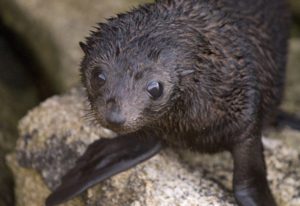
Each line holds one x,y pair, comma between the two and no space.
103,159
250,182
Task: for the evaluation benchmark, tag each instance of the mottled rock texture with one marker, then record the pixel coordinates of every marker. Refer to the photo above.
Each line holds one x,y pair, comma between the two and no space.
54,134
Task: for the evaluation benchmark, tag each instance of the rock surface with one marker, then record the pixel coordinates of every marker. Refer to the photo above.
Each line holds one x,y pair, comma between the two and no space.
54,134
53,28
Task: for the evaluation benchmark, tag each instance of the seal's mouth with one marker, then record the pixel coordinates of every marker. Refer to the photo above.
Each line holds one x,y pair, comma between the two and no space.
118,128
117,121
121,130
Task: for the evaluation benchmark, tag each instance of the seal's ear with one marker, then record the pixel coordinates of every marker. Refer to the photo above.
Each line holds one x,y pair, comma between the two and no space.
84,47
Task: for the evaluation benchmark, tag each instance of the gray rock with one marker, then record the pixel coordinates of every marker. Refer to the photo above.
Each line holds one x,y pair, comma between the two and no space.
54,134
53,28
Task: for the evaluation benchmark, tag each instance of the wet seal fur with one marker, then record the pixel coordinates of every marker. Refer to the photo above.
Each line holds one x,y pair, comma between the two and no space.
205,75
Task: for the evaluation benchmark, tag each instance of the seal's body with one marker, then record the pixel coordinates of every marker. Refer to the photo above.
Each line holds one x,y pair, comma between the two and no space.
205,75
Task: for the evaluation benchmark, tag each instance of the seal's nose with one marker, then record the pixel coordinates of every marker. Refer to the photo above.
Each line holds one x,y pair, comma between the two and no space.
113,113
115,118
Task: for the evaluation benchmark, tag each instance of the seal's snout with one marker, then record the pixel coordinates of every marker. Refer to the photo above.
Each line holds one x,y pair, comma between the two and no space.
115,118
113,115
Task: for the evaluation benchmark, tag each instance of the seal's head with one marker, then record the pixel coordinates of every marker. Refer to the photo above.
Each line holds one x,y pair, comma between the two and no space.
129,77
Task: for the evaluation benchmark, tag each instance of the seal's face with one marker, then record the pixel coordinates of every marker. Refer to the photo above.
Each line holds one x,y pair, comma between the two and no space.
130,90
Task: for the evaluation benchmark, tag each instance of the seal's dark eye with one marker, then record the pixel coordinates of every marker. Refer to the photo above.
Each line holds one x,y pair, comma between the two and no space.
155,89
98,78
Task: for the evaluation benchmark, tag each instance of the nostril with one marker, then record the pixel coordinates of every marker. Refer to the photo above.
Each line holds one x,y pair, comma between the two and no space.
115,118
